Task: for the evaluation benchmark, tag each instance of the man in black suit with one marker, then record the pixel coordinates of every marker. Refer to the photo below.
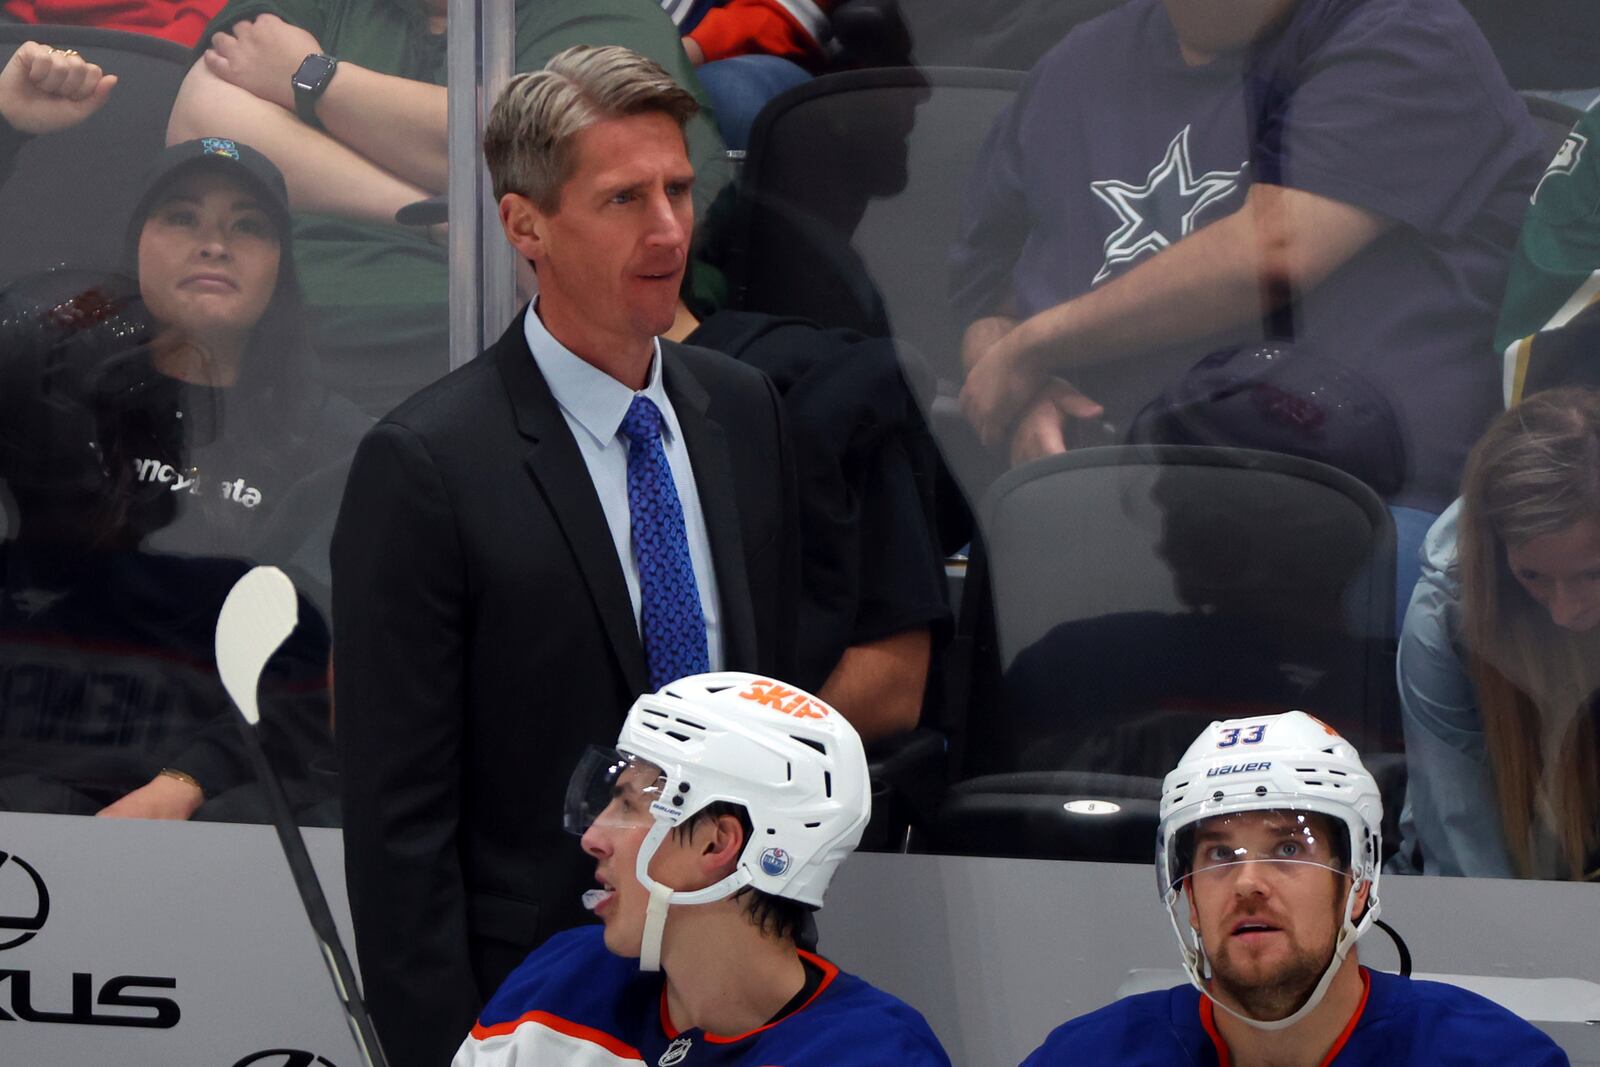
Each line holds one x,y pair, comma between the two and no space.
488,598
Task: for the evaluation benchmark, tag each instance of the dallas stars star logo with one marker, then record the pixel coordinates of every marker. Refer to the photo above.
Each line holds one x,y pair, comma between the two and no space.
1164,208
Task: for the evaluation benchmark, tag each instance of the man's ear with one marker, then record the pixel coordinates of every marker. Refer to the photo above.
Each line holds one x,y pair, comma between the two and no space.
1363,893
523,224
720,849
1194,916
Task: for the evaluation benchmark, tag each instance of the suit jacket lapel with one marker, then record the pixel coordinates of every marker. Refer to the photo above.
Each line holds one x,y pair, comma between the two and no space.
713,475
562,476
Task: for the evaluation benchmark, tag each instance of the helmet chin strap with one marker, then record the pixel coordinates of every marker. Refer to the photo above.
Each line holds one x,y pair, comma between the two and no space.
1194,956
655,927
664,896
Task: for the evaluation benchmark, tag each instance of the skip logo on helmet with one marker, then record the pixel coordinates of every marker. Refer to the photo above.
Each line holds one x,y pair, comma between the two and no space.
781,698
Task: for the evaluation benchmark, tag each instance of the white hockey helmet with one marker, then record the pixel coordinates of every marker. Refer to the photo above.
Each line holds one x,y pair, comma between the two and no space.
792,762
1290,762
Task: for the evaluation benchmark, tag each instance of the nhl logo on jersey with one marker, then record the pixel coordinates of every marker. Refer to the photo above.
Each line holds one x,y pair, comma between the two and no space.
676,1053
774,861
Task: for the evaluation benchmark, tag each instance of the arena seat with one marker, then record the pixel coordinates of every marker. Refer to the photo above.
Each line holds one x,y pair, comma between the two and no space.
1543,44
1138,593
1553,118
71,193
850,200
849,203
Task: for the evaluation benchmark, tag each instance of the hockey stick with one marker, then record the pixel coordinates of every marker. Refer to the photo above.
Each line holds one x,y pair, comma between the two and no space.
257,616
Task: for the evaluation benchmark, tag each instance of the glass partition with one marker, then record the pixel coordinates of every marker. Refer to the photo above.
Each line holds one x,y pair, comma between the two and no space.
1205,310
1132,356
212,290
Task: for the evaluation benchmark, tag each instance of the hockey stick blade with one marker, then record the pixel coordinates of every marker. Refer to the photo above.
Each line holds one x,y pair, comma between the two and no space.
258,616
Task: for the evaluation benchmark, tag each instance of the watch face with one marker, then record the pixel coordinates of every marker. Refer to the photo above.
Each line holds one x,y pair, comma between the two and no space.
313,69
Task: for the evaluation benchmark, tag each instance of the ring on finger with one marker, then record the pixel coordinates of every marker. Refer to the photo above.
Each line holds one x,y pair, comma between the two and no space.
64,51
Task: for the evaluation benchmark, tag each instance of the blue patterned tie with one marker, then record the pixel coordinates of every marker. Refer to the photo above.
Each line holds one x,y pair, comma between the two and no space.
669,603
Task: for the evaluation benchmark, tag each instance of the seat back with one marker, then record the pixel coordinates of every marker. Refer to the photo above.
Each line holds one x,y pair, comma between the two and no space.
1553,119
70,195
1141,591
851,201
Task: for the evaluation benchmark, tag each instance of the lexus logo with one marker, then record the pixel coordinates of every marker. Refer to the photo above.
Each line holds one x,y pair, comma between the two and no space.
24,901
284,1057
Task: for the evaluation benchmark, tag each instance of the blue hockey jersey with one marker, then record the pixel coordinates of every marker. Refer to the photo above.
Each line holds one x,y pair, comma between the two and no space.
1400,1023
573,1003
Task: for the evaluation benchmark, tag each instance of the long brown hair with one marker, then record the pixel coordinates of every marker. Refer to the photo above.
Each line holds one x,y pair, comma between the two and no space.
1535,472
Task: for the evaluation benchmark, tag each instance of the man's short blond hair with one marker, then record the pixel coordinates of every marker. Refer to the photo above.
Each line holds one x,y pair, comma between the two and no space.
529,143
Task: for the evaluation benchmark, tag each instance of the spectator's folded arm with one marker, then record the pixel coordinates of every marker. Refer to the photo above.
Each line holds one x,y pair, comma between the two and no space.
396,123
323,175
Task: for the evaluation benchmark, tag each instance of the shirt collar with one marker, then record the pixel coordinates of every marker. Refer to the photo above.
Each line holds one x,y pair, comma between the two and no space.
587,394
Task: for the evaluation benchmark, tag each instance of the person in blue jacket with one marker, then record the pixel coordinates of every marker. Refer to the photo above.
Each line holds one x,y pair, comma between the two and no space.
1268,852
715,826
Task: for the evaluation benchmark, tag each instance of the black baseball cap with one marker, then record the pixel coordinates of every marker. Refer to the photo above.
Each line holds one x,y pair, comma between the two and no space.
223,154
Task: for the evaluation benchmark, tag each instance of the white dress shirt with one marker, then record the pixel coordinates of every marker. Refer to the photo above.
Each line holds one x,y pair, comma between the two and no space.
594,405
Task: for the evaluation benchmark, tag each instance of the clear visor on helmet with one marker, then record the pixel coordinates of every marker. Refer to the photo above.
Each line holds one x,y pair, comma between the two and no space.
1284,842
611,788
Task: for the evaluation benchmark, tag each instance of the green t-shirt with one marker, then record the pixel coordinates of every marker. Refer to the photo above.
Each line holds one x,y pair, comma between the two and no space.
1555,273
378,295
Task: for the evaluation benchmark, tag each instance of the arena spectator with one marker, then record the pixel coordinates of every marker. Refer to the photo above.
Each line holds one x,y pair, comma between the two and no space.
225,450
579,515
712,914
230,428
176,20
872,596
1500,658
1177,176
749,51
265,446
1550,321
1269,872
109,696
364,137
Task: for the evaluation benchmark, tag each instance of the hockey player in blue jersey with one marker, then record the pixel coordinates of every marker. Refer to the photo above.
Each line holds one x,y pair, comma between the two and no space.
715,826
1268,853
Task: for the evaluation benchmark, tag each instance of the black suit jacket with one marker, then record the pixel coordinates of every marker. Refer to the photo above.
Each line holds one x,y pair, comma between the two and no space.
483,636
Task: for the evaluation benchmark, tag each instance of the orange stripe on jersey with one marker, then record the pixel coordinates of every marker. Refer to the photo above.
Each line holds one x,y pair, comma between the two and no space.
560,1026
1350,1027
1208,1019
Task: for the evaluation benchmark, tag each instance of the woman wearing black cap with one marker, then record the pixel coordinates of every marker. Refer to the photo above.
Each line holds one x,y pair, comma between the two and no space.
248,454
265,445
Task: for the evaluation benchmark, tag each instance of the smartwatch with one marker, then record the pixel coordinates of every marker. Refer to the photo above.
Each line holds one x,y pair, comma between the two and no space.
309,82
